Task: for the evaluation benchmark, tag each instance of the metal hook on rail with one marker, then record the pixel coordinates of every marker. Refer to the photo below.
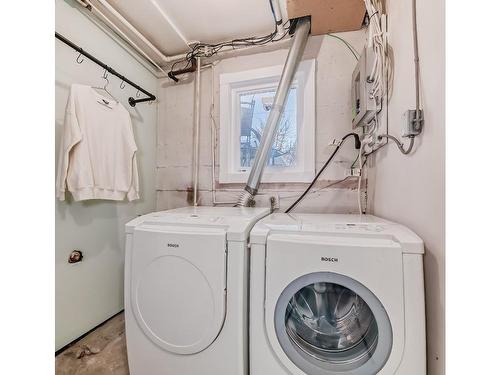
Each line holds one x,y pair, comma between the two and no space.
105,77
83,55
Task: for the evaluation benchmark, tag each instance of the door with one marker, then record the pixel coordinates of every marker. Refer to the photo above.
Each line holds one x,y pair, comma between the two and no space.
328,323
178,285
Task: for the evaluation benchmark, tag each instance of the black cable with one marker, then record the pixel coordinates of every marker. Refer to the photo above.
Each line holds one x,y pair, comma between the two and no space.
357,146
207,49
199,49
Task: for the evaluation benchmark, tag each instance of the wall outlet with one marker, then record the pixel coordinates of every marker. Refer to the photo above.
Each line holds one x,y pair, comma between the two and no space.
411,127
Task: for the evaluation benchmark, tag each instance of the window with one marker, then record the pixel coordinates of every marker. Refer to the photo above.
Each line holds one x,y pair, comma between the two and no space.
246,99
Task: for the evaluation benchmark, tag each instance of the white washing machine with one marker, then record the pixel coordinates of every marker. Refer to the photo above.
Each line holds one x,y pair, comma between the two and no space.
186,282
336,294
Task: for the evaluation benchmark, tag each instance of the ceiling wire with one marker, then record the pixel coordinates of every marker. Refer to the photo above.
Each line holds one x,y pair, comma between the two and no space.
201,49
347,44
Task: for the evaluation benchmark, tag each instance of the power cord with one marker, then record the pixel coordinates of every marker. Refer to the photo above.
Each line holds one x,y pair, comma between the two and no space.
357,145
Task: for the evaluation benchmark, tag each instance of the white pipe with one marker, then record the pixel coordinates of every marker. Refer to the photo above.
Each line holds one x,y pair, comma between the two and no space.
129,26
145,62
213,132
166,59
278,17
123,35
83,3
166,17
197,118
173,58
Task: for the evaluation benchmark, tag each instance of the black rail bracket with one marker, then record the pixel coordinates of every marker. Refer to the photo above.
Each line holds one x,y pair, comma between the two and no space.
132,101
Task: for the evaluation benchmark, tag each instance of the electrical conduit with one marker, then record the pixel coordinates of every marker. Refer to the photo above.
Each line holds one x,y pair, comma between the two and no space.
197,117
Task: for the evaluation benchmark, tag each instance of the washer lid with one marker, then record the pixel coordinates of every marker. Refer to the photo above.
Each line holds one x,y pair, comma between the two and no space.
178,286
235,221
366,226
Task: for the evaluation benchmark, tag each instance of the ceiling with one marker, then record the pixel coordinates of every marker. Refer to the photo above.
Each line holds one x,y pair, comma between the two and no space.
167,26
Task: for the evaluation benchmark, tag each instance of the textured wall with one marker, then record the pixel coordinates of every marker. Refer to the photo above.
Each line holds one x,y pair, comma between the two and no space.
334,65
406,189
88,293
410,189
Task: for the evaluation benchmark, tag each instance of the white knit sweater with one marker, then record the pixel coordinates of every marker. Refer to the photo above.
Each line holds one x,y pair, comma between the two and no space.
97,157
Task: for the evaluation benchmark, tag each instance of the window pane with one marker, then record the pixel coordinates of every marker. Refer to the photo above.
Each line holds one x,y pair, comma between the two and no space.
254,110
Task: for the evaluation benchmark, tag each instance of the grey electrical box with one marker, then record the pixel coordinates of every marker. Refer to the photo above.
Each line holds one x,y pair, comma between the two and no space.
410,126
364,105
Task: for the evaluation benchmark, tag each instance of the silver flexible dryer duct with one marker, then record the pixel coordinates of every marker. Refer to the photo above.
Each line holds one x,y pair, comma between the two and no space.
292,62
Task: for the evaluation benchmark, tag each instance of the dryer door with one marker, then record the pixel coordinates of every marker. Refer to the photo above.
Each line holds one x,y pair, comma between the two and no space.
333,303
178,285
328,323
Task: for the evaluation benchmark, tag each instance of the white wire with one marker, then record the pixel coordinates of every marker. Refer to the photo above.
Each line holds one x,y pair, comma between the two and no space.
360,159
381,71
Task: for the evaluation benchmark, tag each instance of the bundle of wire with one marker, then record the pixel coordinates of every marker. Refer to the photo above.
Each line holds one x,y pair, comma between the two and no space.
381,72
207,49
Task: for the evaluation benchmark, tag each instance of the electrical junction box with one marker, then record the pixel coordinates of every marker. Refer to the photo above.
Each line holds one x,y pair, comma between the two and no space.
364,105
410,127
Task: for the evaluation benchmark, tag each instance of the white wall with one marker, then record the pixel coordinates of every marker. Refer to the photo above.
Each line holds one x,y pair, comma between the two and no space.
87,293
334,65
410,189
406,189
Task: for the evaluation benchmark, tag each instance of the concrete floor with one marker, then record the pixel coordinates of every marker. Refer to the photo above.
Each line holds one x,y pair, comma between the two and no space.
102,352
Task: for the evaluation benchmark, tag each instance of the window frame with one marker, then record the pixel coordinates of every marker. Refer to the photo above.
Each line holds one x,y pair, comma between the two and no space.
232,85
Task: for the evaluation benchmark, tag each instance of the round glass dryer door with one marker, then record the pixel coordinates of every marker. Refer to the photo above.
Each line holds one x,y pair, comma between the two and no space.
329,323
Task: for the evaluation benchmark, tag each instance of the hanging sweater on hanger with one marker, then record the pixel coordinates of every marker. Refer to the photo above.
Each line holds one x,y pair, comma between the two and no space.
97,157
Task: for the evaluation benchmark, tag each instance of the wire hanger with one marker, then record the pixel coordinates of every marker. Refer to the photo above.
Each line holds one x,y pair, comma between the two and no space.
105,87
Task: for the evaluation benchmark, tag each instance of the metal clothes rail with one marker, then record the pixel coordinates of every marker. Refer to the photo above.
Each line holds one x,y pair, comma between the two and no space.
131,101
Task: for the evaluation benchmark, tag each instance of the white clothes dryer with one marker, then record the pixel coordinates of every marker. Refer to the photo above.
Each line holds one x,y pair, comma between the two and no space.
186,282
336,295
